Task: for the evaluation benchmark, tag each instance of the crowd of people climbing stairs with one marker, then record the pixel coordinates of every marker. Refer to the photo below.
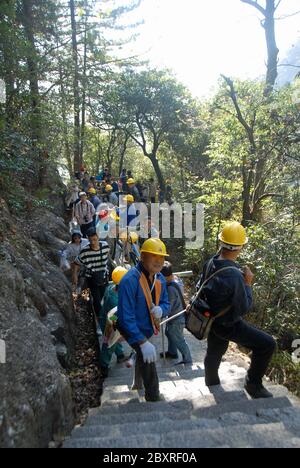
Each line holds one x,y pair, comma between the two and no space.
134,289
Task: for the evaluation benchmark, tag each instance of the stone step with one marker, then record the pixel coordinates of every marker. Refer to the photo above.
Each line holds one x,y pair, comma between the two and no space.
174,377
248,408
206,409
106,420
132,406
161,426
195,370
272,435
163,423
174,390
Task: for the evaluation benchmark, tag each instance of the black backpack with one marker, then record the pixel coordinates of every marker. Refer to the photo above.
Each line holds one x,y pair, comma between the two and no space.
200,317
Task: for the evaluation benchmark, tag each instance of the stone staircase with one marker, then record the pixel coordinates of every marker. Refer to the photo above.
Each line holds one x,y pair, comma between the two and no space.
190,415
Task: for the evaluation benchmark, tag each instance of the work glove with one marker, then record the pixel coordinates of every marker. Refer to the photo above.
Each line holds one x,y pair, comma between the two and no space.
157,312
149,352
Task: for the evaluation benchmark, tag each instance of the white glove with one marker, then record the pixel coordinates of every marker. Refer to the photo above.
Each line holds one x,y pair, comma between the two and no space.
157,312
149,352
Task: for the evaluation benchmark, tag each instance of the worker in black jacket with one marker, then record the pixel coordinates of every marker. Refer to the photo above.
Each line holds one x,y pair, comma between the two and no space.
230,291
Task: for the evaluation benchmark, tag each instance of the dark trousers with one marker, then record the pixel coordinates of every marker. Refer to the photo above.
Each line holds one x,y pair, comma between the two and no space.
97,293
85,227
244,334
148,374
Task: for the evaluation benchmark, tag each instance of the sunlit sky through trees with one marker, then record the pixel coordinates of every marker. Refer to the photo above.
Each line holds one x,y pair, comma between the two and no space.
200,39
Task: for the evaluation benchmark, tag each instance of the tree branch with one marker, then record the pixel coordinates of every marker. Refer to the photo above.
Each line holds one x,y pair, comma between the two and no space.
239,115
268,195
287,16
255,5
278,3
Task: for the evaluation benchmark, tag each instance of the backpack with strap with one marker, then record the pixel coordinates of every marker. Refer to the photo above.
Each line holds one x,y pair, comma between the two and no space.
200,317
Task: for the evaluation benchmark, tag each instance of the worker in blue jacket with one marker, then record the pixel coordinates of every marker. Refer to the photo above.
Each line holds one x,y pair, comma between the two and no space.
230,292
143,301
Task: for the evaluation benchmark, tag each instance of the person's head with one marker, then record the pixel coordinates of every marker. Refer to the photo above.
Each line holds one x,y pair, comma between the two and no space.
93,237
76,237
118,274
83,197
92,191
232,240
108,189
129,199
167,271
153,255
131,182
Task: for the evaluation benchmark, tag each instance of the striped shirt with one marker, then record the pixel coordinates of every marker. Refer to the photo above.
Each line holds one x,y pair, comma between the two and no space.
94,260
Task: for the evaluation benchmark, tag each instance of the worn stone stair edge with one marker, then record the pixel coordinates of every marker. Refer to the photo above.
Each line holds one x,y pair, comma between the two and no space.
272,435
249,407
163,424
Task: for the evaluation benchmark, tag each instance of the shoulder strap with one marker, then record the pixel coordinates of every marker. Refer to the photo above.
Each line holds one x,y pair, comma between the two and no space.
146,290
178,289
224,311
148,296
215,274
158,288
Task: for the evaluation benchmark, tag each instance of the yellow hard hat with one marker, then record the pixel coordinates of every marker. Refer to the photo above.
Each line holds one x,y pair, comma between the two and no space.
133,236
234,234
108,188
92,191
114,215
129,199
154,246
118,274
130,182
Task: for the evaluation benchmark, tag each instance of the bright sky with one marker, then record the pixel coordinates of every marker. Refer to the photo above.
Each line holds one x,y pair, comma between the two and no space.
200,39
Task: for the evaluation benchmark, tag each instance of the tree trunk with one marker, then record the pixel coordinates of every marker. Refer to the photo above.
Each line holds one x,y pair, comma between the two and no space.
158,172
36,124
84,78
123,152
99,154
109,152
10,109
77,131
65,123
273,51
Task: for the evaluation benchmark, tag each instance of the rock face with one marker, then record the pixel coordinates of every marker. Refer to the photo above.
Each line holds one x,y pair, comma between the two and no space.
37,325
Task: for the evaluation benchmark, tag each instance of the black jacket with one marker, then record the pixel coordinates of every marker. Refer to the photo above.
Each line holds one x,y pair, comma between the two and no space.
227,288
